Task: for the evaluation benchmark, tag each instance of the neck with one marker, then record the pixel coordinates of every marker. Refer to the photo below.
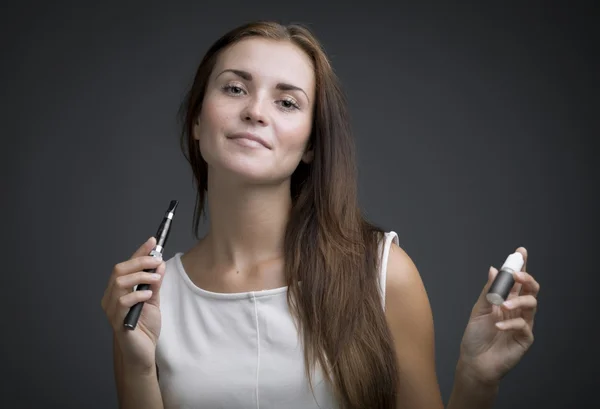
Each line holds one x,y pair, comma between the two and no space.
247,222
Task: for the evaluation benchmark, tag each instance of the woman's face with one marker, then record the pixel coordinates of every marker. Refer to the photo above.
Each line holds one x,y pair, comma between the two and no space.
259,89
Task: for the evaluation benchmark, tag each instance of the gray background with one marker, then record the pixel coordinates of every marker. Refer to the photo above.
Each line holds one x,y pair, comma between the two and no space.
474,129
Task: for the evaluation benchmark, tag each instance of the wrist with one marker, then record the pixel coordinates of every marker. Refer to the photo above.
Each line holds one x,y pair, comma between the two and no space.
470,377
139,371
133,367
470,391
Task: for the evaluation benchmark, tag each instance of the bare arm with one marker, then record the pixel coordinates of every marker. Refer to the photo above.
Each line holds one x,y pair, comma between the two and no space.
135,389
469,392
410,320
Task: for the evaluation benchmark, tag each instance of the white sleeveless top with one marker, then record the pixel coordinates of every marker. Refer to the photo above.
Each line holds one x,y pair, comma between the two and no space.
235,350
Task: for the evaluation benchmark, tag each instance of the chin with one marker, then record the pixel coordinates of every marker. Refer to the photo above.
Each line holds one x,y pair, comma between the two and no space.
247,168
250,171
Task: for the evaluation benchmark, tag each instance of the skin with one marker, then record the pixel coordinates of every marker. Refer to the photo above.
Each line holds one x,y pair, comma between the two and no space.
249,198
249,202
487,352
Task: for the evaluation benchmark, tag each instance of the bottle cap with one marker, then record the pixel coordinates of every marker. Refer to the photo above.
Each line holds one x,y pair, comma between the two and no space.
514,261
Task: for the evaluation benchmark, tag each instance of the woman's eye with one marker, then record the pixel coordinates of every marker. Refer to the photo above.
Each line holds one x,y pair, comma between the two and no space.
233,89
289,104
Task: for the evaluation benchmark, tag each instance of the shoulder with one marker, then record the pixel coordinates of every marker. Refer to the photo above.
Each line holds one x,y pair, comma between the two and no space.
403,278
409,316
406,299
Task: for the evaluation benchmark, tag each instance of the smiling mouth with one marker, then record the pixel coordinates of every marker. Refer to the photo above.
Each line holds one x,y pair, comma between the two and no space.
250,143
249,140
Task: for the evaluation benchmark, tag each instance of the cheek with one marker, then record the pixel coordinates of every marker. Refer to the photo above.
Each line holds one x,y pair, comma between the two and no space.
212,118
212,121
295,134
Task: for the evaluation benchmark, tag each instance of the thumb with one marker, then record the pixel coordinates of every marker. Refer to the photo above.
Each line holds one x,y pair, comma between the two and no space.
155,287
483,306
492,273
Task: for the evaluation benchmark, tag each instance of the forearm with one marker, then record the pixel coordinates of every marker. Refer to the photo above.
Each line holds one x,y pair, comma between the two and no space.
140,391
471,393
135,389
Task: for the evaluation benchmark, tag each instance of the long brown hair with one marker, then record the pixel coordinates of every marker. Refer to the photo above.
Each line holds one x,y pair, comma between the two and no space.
331,257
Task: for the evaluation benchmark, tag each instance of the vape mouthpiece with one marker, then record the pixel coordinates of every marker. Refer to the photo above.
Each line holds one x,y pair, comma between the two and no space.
172,206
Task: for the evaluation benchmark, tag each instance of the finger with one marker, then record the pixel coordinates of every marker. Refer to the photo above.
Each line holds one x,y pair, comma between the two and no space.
517,288
125,302
524,306
126,282
482,306
136,264
530,290
121,268
522,332
515,291
145,248
525,254
527,302
156,286
529,284
492,273
124,277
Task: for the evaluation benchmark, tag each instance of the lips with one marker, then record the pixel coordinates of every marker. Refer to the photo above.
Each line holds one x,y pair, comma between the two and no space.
251,137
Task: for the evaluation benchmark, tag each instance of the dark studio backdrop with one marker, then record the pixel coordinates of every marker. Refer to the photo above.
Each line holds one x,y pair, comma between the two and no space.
475,129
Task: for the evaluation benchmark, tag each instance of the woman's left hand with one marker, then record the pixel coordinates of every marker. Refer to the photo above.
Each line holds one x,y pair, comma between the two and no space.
497,337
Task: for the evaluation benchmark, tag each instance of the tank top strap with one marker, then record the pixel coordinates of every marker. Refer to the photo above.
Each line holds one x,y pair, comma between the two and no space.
384,251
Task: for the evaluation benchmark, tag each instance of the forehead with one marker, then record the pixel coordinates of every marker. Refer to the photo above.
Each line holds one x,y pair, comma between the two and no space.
269,60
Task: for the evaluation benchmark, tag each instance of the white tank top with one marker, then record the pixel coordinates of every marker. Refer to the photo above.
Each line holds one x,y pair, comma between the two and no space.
236,350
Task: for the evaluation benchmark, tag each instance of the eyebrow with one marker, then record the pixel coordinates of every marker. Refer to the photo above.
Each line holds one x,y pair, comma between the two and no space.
248,77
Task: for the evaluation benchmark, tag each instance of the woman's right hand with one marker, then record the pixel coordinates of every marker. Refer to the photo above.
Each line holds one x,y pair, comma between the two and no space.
137,346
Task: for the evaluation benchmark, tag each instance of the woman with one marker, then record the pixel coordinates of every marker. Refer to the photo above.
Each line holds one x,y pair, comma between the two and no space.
292,299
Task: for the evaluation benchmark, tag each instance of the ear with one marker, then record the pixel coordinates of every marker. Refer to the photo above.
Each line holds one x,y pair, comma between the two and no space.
196,129
308,156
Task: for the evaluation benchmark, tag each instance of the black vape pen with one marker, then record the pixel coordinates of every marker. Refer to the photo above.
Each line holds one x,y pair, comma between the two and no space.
505,280
161,240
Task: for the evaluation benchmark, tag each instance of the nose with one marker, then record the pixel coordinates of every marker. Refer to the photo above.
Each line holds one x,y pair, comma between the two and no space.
253,112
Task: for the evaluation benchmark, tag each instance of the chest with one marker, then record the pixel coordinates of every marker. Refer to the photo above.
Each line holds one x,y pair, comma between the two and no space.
241,353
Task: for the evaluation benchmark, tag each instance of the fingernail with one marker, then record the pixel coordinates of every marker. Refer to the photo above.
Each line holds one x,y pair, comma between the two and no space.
508,304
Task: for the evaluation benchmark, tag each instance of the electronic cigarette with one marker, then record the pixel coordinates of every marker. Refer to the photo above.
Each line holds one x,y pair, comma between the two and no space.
505,280
162,235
